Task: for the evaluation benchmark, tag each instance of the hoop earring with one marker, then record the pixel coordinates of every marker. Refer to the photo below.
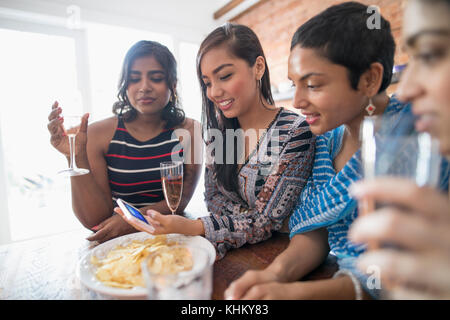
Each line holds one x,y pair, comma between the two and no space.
370,108
173,98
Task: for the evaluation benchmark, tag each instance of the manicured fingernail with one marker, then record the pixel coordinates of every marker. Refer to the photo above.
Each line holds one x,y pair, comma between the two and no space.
228,296
151,213
95,228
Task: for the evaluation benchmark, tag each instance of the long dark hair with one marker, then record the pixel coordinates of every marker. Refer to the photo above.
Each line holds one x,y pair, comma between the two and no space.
242,43
172,112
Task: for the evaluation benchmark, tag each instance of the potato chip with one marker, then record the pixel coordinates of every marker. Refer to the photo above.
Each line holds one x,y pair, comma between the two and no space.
121,268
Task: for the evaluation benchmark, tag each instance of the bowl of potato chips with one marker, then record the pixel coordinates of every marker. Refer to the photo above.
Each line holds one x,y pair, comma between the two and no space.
114,267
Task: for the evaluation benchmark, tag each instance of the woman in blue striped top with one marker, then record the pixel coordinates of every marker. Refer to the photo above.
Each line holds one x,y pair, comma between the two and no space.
123,152
341,69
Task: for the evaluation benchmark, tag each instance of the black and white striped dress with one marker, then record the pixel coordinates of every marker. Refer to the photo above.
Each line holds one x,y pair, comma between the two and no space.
133,165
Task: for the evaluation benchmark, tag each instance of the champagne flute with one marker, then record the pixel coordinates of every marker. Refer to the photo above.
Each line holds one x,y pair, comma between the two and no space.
71,128
172,182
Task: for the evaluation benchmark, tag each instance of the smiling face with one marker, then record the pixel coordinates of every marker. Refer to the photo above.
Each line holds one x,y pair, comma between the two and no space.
426,81
231,84
147,89
323,92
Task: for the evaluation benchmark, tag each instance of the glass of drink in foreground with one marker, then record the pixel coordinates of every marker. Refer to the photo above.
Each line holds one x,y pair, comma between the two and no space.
397,152
71,128
172,182
182,272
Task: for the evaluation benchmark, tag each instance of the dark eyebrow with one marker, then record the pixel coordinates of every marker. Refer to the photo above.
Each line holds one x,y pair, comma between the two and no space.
220,68
150,73
306,76
439,32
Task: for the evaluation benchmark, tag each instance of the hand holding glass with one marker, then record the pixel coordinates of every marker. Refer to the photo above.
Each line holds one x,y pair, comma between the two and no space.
387,152
71,128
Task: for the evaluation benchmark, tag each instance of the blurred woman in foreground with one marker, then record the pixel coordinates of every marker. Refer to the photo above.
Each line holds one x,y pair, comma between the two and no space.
421,270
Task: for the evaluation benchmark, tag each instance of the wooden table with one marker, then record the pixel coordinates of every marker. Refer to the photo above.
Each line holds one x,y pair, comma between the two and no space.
45,268
258,256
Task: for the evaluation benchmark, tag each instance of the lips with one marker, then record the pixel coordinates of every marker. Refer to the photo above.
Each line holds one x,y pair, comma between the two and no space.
425,122
311,118
146,100
225,104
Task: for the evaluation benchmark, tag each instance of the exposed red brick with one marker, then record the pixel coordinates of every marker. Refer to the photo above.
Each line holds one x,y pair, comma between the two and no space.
275,21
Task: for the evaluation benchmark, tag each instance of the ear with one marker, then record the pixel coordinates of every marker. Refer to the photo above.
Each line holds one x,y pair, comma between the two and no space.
370,81
173,89
259,67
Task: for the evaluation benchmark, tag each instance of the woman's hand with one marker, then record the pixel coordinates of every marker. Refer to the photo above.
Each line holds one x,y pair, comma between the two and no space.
251,285
111,228
59,138
419,224
165,224
299,290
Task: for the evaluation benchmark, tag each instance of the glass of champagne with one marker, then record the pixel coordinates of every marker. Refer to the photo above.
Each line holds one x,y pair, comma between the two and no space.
172,182
71,128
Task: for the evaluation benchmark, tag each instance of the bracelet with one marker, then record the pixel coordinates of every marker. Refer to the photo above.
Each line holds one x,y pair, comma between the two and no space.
356,284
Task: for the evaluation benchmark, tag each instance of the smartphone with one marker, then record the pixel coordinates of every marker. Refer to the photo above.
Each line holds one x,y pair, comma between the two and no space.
133,214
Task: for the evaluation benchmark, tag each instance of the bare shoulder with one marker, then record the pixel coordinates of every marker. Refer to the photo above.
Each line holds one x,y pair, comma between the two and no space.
103,127
101,132
188,124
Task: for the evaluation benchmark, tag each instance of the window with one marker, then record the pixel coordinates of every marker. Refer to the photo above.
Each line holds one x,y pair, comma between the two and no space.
34,68
56,64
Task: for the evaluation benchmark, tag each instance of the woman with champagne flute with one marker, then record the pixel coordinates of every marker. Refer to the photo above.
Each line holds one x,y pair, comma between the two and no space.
420,221
123,152
340,70
260,156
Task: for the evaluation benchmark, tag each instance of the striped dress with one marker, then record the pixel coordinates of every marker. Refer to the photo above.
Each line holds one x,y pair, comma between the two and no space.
133,165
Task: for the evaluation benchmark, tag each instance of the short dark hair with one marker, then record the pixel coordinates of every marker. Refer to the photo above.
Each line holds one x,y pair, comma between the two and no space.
172,112
341,34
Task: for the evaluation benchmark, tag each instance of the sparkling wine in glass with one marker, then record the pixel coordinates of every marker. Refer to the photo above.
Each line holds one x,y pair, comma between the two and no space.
172,182
71,128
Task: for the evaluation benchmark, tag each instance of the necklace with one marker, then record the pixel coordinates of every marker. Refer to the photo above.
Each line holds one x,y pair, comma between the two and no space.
256,149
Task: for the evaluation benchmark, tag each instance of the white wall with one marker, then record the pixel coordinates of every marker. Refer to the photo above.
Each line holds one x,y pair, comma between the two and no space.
187,20
5,236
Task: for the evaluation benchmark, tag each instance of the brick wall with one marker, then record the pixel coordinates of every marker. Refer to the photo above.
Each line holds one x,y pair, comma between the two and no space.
275,21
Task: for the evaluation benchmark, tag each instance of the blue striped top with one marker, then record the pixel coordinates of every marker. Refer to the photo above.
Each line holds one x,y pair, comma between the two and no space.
325,200
133,165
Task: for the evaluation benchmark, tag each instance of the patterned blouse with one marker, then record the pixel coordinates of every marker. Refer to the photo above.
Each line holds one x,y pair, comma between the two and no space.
269,185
